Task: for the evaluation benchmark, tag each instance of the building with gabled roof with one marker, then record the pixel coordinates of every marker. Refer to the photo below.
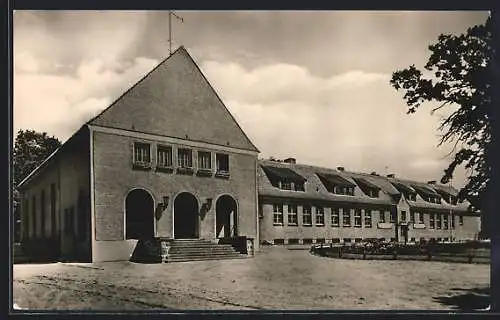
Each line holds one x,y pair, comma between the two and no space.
165,160
335,205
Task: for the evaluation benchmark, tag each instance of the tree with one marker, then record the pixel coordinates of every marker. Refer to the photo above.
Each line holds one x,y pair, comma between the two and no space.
31,148
458,77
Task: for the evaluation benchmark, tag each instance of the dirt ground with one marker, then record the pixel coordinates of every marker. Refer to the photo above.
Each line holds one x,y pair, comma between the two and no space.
276,278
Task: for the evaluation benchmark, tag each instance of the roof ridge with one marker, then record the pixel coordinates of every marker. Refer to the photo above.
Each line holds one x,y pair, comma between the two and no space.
220,100
365,174
164,60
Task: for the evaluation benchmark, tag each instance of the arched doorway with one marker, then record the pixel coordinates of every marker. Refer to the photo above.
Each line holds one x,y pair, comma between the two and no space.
139,213
226,217
186,216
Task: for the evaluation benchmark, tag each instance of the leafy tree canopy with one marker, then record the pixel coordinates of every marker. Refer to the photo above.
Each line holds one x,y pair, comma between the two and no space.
31,148
458,76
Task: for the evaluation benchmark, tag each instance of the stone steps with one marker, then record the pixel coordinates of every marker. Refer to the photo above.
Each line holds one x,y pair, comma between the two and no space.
149,251
196,250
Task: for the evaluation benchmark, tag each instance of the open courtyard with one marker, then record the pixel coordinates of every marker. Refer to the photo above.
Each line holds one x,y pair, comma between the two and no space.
276,278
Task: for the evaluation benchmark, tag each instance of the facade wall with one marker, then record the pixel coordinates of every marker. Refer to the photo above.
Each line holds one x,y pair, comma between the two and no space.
69,174
75,189
272,233
114,177
30,229
269,231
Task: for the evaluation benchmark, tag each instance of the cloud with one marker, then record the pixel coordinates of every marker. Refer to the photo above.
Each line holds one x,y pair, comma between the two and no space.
355,119
282,82
59,104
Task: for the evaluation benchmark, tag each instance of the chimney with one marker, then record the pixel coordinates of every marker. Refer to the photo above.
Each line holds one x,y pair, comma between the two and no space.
290,160
340,168
433,182
391,175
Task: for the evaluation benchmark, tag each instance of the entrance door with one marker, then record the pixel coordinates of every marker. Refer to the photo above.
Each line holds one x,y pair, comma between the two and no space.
226,217
404,233
139,211
186,216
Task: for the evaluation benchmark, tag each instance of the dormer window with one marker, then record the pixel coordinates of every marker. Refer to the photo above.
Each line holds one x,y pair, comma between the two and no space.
284,178
411,196
369,188
285,185
336,184
428,194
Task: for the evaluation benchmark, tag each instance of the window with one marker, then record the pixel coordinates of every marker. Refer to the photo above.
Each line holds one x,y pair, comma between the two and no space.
438,221
164,157
411,196
185,158
403,216
320,240
204,162
53,209
357,218
293,241
368,218
412,217
307,241
278,214
346,218
420,217
285,185
320,216
432,223
42,212
381,216
347,240
373,193
33,216
142,153
336,240
279,241
412,240
292,214
306,216
349,191
461,220
358,240
335,217
445,222
299,186
392,217
222,162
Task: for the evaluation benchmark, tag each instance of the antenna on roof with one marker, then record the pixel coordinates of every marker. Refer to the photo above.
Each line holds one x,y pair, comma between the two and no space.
170,14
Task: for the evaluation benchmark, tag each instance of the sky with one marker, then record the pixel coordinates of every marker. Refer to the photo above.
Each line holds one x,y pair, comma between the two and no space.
303,84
